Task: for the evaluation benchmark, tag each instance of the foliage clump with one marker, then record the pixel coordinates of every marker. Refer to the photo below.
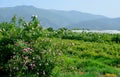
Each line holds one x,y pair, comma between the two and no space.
29,50
23,52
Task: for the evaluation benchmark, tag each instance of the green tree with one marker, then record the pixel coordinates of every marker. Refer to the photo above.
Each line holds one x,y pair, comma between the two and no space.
21,21
14,19
50,29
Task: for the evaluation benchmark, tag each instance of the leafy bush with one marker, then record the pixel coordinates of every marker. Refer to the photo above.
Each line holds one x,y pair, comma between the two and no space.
24,53
30,59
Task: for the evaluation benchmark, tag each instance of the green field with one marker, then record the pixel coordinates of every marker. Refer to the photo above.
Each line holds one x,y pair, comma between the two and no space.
29,50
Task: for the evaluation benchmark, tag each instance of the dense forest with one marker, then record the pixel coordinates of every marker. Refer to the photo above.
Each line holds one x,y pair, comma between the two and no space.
29,50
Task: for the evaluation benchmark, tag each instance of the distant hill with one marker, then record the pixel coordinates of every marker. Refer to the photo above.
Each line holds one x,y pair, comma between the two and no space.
100,24
59,18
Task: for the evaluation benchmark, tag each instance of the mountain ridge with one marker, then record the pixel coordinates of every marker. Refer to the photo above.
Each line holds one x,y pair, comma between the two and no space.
60,18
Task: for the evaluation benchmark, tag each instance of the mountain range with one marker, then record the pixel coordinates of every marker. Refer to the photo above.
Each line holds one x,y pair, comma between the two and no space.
59,18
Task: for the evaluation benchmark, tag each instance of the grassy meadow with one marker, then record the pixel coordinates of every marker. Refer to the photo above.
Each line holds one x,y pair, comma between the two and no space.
29,50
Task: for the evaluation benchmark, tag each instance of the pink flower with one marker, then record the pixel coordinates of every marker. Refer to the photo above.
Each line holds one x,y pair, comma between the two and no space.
27,49
17,68
26,57
43,72
32,66
16,44
37,73
10,75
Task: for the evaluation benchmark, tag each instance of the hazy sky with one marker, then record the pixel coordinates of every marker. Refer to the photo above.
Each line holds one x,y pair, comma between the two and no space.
110,8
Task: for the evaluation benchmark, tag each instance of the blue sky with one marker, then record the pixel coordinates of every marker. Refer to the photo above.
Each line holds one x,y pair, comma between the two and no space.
110,8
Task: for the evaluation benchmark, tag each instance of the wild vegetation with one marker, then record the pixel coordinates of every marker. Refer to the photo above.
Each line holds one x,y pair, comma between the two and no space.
29,50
